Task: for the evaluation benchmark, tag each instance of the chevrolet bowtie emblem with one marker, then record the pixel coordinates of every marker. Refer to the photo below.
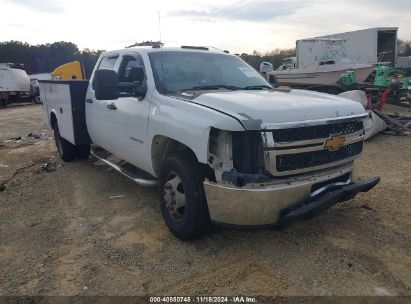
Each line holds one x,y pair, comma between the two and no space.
334,142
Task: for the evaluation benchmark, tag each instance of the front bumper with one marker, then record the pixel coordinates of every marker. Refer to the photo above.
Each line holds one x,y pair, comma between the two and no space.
280,203
315,206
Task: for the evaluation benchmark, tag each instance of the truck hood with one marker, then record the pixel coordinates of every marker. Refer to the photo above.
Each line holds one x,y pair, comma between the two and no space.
269,109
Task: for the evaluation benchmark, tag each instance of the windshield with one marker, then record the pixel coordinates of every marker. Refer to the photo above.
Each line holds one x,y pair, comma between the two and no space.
179,71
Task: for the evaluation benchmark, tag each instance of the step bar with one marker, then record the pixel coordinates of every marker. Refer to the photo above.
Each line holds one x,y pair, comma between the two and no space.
139,181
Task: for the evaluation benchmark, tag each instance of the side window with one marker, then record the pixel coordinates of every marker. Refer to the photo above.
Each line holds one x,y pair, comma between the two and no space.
108,62
132,71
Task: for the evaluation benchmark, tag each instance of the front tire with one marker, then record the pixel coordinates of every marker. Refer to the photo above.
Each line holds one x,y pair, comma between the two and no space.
65,149
182,198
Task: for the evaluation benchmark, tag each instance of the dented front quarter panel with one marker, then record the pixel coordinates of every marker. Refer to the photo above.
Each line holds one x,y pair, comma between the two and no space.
187,123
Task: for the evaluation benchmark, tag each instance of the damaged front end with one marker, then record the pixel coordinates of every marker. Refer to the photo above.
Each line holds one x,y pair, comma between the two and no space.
274,177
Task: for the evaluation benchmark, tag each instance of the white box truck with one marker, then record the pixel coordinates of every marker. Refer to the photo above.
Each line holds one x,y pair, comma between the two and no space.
13,81
371,45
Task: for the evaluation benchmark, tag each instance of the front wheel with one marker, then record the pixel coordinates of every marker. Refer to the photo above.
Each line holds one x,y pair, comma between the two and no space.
182,198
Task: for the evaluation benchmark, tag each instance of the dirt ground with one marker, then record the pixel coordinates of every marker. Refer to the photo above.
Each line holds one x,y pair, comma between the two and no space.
80,228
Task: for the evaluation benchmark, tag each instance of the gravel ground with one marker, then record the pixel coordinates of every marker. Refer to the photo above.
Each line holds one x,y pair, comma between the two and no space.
82,229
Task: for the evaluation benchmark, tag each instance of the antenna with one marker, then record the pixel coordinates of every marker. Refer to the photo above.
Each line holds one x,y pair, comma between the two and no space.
159,26
161,51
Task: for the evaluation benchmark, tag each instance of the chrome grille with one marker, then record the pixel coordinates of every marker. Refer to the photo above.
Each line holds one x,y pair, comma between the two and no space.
289,162
314,132
304,149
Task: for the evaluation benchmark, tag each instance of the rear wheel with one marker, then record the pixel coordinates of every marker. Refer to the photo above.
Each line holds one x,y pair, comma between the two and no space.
36,99
65,149
182,198
3,102
82,152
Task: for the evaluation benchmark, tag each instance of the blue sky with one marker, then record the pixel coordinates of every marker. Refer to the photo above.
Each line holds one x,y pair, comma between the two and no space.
239,26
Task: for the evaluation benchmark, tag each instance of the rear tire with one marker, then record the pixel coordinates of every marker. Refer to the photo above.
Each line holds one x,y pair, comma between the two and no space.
65,149
182,198
82,152
3,102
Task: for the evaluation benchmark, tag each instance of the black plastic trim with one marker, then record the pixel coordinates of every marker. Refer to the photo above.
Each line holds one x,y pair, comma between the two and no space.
242,179
78,91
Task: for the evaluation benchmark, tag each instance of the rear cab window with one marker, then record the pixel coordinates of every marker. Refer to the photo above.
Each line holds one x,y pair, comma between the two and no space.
107,62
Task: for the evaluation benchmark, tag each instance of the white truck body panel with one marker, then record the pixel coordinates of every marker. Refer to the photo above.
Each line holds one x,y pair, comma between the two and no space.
13,80
55,99
169,116
40,76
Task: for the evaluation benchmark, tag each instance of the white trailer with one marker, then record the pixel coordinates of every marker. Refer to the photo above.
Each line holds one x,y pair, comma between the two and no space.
13,81
371,45
315,52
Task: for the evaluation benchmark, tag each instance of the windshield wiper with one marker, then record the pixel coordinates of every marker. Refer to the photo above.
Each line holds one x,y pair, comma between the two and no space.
213,87
257,87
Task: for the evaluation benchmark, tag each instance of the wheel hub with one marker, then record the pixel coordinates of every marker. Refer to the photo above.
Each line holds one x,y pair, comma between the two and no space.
174,197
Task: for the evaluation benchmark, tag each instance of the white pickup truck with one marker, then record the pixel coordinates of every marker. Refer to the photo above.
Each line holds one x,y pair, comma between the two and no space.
220,143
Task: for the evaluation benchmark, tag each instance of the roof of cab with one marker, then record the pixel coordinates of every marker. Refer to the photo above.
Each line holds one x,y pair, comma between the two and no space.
153,49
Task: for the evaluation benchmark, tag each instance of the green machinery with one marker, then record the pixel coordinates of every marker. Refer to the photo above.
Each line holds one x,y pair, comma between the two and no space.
405,83
384,77
348,78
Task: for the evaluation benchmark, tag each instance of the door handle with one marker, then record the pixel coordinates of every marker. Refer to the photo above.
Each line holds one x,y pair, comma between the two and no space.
89,100
111,106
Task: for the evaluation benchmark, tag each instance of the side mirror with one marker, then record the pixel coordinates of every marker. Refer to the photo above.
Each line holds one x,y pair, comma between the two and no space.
105,83
273,80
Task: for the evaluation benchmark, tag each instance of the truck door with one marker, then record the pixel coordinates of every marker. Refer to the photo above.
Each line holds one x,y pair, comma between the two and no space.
130,113
98,115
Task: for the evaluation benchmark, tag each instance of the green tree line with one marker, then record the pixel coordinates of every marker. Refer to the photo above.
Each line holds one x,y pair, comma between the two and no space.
44,58
275,57
404,47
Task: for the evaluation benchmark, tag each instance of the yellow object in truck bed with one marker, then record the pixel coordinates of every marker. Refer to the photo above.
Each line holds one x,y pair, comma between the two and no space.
68,71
